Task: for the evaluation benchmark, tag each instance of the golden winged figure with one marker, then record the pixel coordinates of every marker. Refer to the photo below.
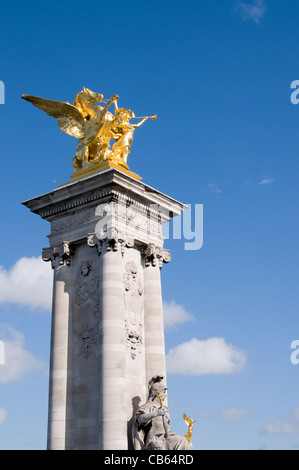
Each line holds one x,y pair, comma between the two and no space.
94,126
190,423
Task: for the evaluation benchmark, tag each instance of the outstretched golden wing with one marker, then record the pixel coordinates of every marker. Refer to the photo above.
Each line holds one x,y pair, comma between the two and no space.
68,117
187,419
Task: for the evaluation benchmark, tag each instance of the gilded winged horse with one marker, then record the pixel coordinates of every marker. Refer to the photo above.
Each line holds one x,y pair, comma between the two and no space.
84,119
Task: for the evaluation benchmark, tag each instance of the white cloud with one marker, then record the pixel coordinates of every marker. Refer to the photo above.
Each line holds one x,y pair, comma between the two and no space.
3,414
175,315
211,356
28,282
252,11
18,361
205,415
233,414
287,426
265,181
213,187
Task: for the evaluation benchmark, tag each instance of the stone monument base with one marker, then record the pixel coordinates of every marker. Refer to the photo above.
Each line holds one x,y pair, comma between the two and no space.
94,169
107,340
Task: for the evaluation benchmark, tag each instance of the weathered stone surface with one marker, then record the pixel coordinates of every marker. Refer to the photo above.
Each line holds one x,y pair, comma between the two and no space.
106,249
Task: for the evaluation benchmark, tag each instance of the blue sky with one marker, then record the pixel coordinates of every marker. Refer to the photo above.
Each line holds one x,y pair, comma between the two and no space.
218,75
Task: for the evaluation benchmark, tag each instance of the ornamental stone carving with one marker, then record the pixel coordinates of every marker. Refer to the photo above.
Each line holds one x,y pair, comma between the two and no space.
86,309
155,255
68,222
58,255
112,240
133,296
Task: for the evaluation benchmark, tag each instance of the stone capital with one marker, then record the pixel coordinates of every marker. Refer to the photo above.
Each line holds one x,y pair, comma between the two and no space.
58,255
155,255
111,240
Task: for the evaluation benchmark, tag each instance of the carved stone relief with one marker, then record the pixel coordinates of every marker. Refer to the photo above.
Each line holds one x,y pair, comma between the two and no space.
133,293
86,309
155,255
66,222
113,240
58,254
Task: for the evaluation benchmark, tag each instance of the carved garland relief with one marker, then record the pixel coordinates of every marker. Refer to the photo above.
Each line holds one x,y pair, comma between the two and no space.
133,294
86,309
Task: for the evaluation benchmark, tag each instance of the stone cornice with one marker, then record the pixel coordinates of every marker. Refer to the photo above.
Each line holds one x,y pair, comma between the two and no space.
106,186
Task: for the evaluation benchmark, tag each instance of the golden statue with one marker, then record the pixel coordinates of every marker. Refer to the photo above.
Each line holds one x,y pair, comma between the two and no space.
123,132
190,423
94,126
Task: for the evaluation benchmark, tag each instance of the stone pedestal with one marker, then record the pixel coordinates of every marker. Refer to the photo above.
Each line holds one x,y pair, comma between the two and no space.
106,249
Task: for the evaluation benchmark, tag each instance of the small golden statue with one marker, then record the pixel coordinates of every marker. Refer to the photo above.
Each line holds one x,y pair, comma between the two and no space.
190,423
94,126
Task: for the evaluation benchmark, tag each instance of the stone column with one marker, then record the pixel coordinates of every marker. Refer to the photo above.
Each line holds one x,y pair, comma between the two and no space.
113,408
60,370
153,311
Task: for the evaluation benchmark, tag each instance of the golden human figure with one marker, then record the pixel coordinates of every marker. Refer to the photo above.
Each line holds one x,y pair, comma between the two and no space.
94,126
190,423
123,133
